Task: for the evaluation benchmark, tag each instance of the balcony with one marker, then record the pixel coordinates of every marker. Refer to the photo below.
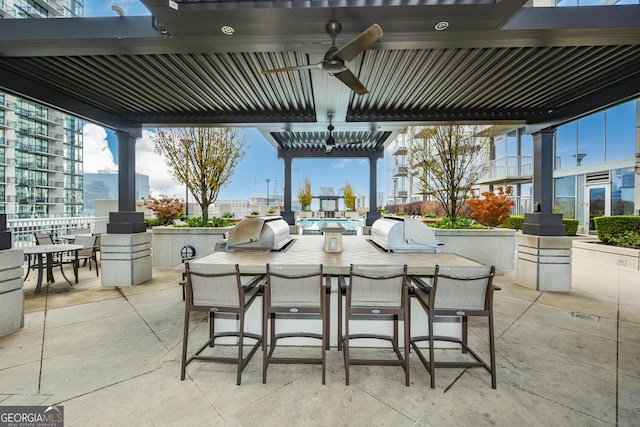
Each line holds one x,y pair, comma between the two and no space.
400,171
45,168
45,183
41,133
400,150
53,7
7,161
44,118
6,105
51,152
6,11
6,142
7,124
48,200
401,194
514,167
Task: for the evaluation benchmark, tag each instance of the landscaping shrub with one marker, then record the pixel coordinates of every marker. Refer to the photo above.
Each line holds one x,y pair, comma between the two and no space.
166,209
611,228
629,239
570,226
515,222
494,208
459,224
212,222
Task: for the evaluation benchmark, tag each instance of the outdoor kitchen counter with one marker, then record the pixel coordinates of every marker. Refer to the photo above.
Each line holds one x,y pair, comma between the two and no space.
310,250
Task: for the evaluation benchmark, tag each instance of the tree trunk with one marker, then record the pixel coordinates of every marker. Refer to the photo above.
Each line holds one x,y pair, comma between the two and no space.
205,212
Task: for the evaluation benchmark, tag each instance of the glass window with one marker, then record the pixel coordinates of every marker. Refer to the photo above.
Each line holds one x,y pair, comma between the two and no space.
526,145
622,191
590,140
499,147
621,131
512,143
566,145
565,196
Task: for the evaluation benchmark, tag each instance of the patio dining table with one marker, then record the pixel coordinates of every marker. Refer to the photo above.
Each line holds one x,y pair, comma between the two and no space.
45,255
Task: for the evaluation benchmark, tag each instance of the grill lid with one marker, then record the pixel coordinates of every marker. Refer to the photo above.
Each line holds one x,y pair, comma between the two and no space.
403,234
265,232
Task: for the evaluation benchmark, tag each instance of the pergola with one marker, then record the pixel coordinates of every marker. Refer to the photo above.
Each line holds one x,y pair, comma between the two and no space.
199,63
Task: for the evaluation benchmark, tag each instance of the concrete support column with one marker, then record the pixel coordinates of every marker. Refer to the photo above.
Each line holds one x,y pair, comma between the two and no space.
373,213
11,293
126,220
125,251
543,222
287,214
544,262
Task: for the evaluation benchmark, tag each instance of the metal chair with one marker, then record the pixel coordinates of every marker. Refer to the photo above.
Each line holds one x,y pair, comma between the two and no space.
86,254
218,289
294,291
461,291
377,293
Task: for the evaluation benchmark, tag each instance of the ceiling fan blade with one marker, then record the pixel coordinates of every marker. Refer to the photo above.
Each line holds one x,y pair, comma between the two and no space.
360,43
328,148
350,79
317,66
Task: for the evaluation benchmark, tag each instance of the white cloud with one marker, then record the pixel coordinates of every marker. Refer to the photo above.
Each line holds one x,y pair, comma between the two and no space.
152,164
97,155
342,163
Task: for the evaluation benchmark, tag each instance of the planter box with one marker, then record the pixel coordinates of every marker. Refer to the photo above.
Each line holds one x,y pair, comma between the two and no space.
495,246
169,240
605,265
11,293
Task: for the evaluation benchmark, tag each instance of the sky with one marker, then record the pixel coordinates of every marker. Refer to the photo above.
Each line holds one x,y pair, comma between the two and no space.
260,162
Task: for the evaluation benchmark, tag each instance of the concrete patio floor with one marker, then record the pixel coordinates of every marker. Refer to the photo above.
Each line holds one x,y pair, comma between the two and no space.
111,357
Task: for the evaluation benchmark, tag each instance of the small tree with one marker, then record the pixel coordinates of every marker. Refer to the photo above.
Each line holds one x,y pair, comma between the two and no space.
349,197
201,158
165,208
494,208
304,194
447,161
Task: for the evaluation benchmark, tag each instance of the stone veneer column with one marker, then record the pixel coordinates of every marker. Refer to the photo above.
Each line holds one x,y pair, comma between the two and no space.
544,262
11,293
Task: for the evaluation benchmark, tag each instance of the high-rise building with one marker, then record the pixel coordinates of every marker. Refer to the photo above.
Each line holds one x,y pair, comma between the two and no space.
104,186
40,148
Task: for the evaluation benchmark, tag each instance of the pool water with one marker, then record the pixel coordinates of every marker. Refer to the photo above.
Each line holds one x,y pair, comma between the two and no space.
316,224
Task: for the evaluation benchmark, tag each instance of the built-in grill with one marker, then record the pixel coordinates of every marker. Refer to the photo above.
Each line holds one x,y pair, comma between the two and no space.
265,232
403,234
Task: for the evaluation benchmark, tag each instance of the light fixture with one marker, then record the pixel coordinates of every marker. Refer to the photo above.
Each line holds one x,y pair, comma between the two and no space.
442,25
227,30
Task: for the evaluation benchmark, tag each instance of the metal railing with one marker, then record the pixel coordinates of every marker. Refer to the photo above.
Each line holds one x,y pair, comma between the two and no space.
22,230
522,205
509,167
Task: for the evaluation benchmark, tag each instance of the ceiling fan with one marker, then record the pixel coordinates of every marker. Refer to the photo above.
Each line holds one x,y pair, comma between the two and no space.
331,143
334,59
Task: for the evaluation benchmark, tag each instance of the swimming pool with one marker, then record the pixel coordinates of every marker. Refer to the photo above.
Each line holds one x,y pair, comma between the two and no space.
316,224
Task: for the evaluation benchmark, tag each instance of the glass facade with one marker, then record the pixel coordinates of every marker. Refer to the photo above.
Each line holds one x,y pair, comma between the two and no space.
40,148
602,137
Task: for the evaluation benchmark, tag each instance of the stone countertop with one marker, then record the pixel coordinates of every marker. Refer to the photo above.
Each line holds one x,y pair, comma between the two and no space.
355,250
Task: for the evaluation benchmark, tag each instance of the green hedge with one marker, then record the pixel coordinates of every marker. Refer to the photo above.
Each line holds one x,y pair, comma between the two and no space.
609,227
570,226
516,221
513,221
